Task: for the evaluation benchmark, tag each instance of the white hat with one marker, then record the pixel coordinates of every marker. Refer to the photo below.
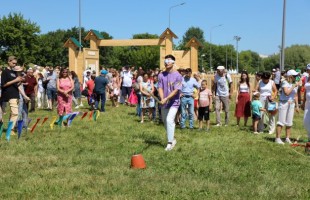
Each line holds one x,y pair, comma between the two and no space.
220,67
308,66
291,73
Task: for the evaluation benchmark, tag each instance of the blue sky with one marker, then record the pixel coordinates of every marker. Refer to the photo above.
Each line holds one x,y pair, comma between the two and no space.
257,22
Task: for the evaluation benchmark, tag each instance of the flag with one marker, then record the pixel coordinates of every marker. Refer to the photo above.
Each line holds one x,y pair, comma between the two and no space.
35,125
20,124
71,118
84,115
44,120
61,118
91,115
95,114
53,122
8,130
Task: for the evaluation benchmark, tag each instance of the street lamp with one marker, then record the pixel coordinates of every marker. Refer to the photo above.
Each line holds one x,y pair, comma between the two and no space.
211,45
282,64
237,38
203,55
181,4
80,31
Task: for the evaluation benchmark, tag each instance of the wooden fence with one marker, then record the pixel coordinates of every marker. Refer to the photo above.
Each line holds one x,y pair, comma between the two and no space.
235,78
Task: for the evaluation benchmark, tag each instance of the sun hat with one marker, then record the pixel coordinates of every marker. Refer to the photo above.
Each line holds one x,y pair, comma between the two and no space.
291,73
220,67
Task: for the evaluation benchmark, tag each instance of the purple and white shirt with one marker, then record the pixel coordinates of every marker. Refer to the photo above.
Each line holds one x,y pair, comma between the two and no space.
169,82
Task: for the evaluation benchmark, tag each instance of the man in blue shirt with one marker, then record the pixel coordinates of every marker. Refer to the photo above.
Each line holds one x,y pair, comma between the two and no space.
101,83
187,98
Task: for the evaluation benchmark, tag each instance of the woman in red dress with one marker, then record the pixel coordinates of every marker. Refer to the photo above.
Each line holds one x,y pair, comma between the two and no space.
65,87
243,98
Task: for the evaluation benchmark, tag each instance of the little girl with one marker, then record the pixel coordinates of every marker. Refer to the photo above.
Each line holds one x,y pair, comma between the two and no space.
257,107
205,104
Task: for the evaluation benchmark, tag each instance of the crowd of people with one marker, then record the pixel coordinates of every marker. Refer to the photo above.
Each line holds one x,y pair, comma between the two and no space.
171,96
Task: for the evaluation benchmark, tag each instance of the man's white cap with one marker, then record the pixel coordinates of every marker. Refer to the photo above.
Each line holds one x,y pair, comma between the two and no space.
291,73
308,66
220,67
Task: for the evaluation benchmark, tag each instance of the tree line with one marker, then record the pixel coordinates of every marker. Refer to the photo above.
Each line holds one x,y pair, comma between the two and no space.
22,38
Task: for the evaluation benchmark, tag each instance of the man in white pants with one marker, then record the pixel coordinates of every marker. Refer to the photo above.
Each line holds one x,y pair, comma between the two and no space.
169,87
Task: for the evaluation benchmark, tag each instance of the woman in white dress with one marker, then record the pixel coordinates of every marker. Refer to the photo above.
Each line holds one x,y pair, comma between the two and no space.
306,104
268,93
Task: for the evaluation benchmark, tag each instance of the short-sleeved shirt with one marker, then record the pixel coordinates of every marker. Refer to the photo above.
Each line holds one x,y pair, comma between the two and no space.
11,91
188,85
222,85
277,77
100,84
169,82
32,82
52,79
289,97
204,97
256,106
90,86
127,78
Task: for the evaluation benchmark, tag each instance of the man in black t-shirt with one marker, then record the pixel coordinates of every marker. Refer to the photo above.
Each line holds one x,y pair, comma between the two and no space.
9,85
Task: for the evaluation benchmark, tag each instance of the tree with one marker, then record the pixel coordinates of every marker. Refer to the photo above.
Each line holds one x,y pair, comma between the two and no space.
18,37
189,34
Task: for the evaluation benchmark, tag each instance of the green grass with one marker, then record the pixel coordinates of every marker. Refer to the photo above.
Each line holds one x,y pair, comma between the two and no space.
91,160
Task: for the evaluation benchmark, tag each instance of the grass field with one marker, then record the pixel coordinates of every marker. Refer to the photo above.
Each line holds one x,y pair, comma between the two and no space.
91,160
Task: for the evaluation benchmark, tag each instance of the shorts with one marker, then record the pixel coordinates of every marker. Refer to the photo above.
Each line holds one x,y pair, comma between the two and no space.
256,116
126,91
51,93
195,103
203,113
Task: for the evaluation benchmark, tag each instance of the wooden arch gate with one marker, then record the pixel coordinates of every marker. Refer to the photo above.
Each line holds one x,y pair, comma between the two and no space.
89,57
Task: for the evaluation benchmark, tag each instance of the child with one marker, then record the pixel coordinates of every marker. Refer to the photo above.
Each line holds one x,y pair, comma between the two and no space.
205,104
256,108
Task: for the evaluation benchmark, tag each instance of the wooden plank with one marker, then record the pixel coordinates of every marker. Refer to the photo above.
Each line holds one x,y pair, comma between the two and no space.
132,42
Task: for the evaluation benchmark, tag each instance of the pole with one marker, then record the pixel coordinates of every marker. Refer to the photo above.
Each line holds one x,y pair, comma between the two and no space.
226,58
283,37
237,38
80,31
211,44
174,7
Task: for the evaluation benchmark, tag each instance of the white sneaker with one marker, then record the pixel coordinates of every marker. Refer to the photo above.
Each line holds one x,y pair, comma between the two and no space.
76,107
271,132
174,142
287,140
255,133
278,141
218,125
171,146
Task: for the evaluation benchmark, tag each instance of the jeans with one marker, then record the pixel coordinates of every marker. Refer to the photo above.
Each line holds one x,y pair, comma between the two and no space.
139,104
103,98
189,103
23,112
168,116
